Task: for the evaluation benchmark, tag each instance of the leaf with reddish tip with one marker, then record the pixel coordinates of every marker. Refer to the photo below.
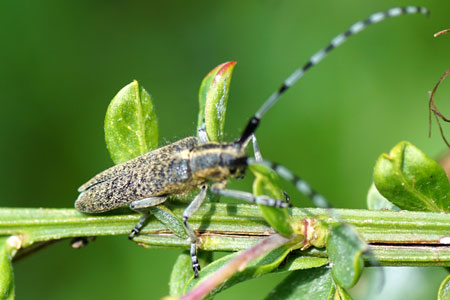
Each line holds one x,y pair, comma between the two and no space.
411,180
213,97
131,128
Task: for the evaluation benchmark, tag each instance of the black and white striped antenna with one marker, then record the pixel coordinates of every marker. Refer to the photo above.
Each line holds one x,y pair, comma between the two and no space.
252,125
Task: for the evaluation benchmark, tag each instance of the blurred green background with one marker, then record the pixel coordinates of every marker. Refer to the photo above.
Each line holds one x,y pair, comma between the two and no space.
61,62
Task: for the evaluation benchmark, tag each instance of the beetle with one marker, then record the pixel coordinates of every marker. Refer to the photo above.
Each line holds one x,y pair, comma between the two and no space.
196,162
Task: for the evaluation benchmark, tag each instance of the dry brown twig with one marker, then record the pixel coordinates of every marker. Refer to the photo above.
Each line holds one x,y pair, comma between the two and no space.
432,106
441,32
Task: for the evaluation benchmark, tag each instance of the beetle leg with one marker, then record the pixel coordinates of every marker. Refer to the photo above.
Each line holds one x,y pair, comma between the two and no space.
188,212
256,150
142,206
83,241
287,199
263,200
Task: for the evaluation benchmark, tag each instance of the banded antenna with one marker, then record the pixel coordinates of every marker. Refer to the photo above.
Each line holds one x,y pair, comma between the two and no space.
252,125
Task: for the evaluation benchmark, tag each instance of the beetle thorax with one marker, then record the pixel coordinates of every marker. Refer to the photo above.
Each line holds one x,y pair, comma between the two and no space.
217,162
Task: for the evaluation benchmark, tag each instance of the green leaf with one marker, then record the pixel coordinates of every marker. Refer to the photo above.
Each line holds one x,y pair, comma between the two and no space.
256,268
131,128
340,294
412,180
345,249
182,271
376,201
267,183
309,284
444,289
298,261
169,219
213,97
8,248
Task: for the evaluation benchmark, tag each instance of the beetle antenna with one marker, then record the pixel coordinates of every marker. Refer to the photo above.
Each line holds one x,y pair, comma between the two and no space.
252,125
301,185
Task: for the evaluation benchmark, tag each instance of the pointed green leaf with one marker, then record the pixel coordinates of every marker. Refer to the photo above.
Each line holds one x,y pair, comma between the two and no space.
412,180
258,267
298,261
169,219
213,97
376,201
8,248
182,271
267,183
340,294
444,289
309,284
131,128
203,92
6,277
345,249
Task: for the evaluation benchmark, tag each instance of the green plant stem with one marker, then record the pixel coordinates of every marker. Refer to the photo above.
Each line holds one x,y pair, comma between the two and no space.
397,238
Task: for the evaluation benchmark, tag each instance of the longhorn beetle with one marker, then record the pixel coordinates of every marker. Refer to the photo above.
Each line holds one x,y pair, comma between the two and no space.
195,162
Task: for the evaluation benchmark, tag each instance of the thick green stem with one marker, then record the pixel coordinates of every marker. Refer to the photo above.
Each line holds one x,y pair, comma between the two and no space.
397,238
